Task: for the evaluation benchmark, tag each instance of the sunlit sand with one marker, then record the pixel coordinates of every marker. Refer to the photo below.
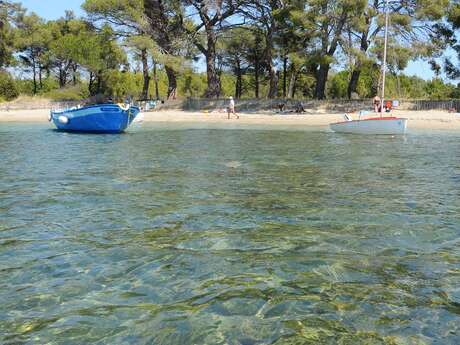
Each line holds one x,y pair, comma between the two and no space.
426,120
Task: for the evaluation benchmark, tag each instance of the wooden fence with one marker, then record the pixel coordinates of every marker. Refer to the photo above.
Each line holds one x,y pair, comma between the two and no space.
254,105
36,105
448,105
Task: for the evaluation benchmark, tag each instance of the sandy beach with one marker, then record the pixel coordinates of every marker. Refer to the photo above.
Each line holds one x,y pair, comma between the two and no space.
424,120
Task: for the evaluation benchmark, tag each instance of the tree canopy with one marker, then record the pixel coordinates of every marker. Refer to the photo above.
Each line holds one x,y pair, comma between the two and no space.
246,48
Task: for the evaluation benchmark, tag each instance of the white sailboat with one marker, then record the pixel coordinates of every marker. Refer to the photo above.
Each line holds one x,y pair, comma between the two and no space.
389,125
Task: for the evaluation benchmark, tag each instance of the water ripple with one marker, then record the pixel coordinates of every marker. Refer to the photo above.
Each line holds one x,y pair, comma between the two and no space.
200,236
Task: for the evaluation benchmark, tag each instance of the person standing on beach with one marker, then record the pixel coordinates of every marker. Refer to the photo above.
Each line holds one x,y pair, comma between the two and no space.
377,104
231,108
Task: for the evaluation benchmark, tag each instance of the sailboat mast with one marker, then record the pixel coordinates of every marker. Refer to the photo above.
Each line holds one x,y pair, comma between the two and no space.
384,65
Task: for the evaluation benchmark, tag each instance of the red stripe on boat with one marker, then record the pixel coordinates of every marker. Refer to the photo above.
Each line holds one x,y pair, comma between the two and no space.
382,118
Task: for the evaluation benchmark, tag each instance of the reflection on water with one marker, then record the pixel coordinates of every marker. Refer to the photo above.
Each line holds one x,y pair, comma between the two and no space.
176,236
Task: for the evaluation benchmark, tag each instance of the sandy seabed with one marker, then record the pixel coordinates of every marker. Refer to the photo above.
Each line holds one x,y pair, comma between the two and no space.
423,120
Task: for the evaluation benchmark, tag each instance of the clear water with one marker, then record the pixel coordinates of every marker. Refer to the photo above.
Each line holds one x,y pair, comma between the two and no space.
169,235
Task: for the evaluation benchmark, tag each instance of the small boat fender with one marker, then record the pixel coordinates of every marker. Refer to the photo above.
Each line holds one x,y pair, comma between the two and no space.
124,106
50,117
63,119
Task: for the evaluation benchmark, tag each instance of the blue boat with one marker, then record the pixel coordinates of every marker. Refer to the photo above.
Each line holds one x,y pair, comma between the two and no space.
101,118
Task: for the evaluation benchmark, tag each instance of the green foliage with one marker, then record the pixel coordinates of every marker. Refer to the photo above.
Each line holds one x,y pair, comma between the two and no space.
397,87
432,10
126,15
8,88
101,52
120,85
101,56
338,85
26,86
5,41
73,93
192,84
10,14
438,90
227,85
32,40
65,51
367,84
411,34
162,85
113,50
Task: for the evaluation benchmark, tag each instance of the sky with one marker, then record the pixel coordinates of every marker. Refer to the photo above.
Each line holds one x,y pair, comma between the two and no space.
419,68
53,9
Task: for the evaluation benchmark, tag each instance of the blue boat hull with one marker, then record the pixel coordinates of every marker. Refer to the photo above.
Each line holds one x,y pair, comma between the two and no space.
103,118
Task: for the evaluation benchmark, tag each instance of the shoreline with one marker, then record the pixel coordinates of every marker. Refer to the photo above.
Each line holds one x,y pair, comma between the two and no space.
425,120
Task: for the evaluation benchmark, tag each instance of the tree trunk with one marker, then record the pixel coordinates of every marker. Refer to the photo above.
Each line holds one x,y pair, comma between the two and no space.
155,78
272,74
275,86
271,68
321,80
328,50
353,84
40,81
98,84
172,82
164,34
272,80
213,90
256,77
91,83
364,46
74,74
285,61
145,72
292,82
62,78
34,70
238,84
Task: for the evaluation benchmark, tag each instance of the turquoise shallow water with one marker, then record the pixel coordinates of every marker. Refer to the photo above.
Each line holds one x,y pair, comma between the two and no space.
169,235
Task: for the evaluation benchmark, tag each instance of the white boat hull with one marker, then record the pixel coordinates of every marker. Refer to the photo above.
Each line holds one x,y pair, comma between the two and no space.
376,126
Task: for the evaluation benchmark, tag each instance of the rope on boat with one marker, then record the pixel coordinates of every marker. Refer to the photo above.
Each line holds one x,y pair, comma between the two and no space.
129,115
126,107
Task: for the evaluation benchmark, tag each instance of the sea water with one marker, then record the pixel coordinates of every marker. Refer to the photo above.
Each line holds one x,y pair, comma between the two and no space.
171,234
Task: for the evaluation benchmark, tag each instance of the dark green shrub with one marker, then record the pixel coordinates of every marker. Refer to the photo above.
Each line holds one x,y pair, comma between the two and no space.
8,89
